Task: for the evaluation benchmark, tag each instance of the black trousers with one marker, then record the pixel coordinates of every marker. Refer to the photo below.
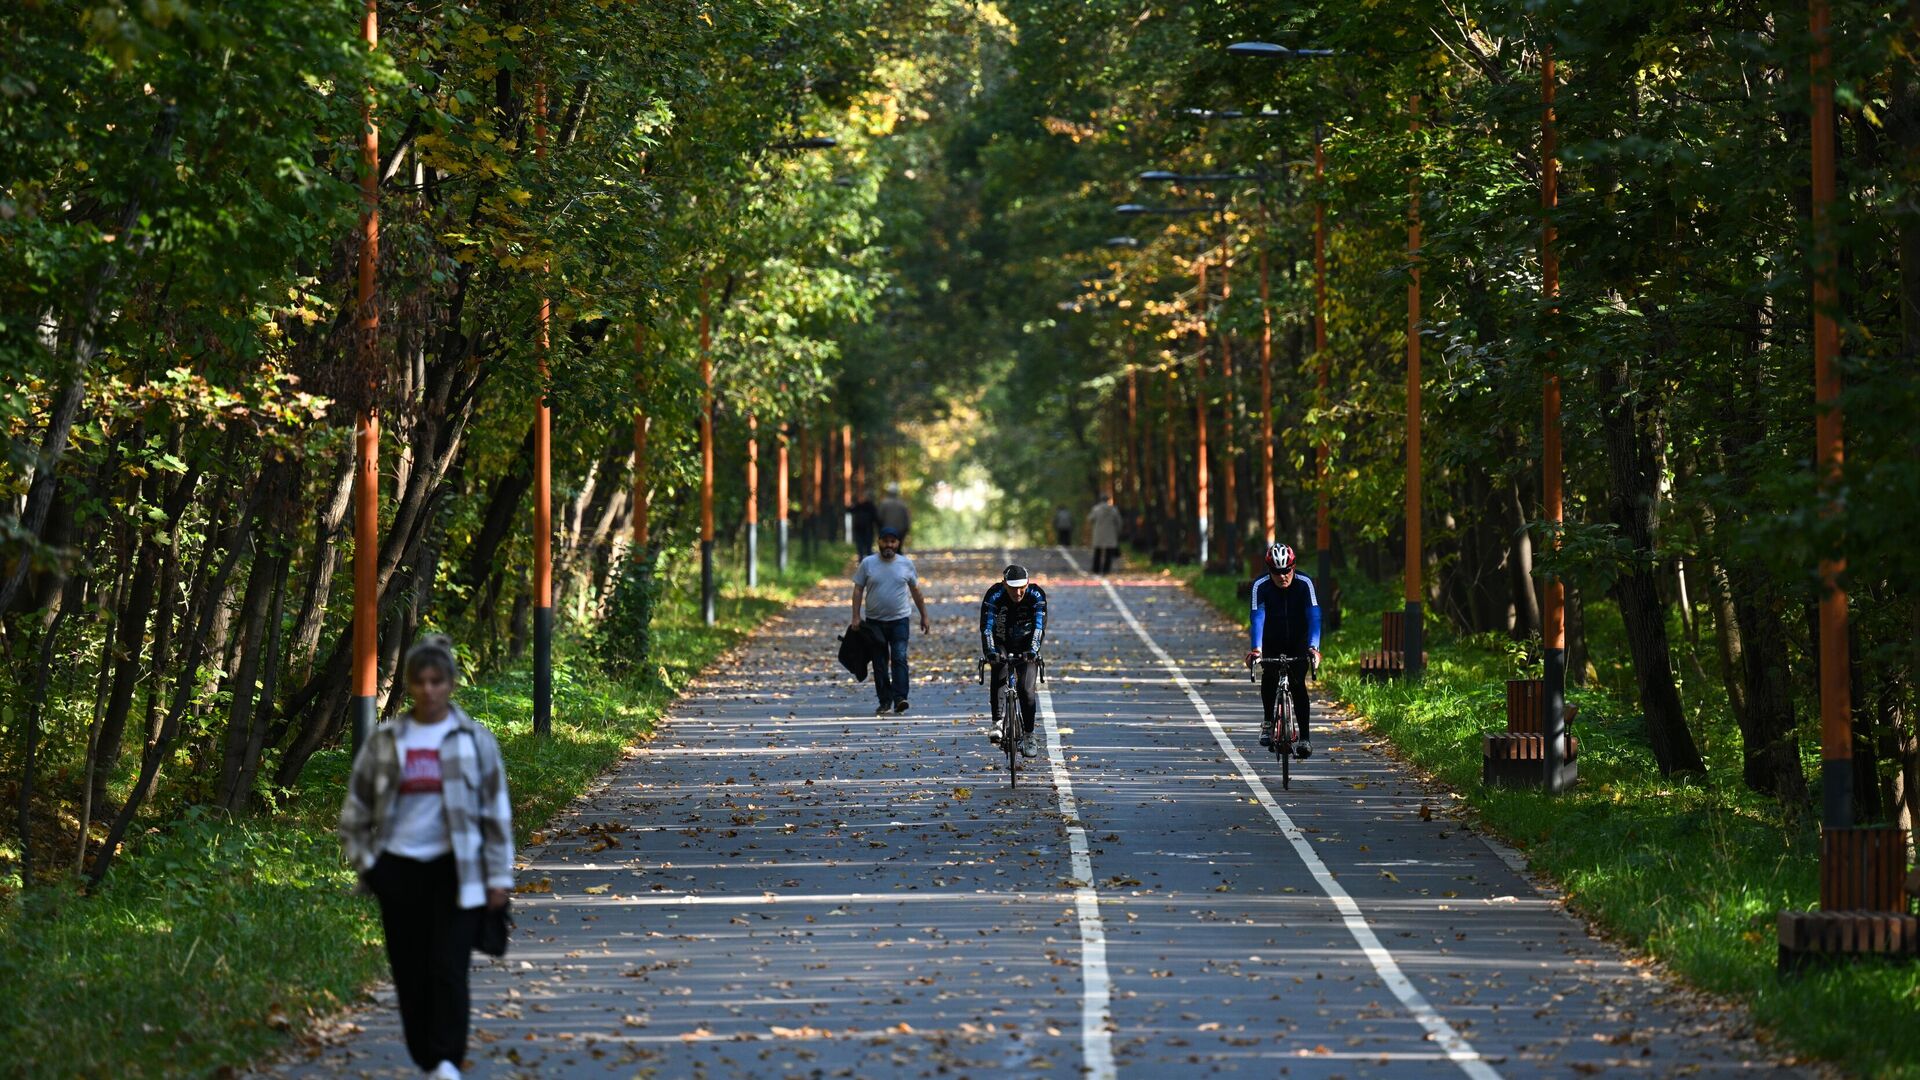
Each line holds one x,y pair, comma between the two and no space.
429,947
1065,536
1103,559
1296,688
1026,685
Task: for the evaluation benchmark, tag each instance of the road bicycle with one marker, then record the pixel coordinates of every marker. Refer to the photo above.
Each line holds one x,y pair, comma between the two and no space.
1285,729
1007,736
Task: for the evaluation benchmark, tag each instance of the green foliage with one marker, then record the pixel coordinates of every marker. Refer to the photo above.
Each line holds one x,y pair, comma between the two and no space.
623,640
219,936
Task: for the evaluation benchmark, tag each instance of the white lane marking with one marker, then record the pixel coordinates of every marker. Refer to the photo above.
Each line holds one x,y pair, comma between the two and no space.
1096,985
1457,1048
748,901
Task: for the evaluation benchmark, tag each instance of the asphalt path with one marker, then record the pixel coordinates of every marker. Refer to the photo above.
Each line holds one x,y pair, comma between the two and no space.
783,884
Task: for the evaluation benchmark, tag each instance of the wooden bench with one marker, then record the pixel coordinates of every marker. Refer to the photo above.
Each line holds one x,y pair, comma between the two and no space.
1866,900
1391,661
1517,756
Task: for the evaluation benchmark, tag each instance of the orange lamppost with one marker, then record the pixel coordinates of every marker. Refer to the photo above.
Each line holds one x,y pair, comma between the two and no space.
1553,606
846,483
1413,644
1836,698
1323,516
707,598
753,500
1229,495
1203,493
543,483
366,428
780,497
642,483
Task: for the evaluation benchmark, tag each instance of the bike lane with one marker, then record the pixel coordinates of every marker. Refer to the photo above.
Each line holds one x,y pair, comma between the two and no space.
1231,956
783,884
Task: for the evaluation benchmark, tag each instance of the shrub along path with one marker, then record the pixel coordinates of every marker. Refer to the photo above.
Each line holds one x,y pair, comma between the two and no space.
782,883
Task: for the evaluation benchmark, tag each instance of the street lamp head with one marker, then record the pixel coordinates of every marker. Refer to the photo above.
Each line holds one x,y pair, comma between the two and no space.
1129,209
1159,175
1123,242
810,142
1267,50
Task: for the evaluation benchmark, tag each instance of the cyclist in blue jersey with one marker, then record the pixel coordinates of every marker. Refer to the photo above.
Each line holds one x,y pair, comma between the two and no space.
1285,621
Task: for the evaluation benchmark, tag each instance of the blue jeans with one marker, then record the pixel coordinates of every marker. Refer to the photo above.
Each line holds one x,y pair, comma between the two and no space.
890,679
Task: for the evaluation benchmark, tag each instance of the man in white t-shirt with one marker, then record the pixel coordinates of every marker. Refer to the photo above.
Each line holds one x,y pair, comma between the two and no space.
885,592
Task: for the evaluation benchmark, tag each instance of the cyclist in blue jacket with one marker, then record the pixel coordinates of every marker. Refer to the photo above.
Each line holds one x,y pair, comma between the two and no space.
1285,622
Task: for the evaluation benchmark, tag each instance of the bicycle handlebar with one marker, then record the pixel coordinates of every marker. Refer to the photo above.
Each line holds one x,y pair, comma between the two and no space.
1267,661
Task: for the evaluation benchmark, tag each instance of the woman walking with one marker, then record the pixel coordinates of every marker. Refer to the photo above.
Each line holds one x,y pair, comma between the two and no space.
428,826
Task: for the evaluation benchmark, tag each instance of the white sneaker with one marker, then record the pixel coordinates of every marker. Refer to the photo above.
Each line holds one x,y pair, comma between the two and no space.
446,1070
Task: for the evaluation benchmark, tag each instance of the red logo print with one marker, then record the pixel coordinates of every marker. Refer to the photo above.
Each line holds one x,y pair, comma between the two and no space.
422,775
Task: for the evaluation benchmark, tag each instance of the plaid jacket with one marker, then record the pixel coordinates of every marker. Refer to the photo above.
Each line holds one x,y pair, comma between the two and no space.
474,783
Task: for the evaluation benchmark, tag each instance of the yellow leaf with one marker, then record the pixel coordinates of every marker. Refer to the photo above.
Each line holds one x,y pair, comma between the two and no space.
596,890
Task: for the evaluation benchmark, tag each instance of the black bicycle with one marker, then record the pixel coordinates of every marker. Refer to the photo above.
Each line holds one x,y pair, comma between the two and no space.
1284,726
1007,736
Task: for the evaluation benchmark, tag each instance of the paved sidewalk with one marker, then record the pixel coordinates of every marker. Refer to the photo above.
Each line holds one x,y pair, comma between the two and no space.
783,884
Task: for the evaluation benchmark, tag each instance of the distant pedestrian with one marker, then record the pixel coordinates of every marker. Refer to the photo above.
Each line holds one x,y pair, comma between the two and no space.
894,514
1062,526
1103,522
428,826
866,518
885,591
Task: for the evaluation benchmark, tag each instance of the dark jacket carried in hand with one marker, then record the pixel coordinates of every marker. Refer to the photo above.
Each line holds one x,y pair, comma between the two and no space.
1012,627
860,649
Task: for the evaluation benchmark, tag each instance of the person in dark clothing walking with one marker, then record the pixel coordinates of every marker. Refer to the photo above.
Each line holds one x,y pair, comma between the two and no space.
1063,526
866,518
895,514
1285,621
428,825
1013,624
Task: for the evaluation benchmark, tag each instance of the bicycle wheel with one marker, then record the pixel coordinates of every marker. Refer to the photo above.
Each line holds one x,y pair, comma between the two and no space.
1010,735
1283,735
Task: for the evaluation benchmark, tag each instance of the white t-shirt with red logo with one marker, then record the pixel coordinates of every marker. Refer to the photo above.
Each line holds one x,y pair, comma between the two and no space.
420,816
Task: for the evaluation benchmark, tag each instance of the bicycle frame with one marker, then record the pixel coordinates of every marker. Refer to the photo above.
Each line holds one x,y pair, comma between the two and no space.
1285,724
1008,694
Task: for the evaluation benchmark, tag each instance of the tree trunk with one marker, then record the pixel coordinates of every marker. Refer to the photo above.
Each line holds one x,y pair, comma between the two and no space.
183,690
1630,501
1770,750
1727,640
1526,598
131,632
332,514
267,571
497,521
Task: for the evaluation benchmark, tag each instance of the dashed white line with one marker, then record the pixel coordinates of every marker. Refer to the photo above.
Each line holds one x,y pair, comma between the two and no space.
1096,985
1457,1048
1096,982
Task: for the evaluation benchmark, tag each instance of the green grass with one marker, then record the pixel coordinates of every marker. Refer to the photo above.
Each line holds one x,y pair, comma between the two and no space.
214,938
1690,873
